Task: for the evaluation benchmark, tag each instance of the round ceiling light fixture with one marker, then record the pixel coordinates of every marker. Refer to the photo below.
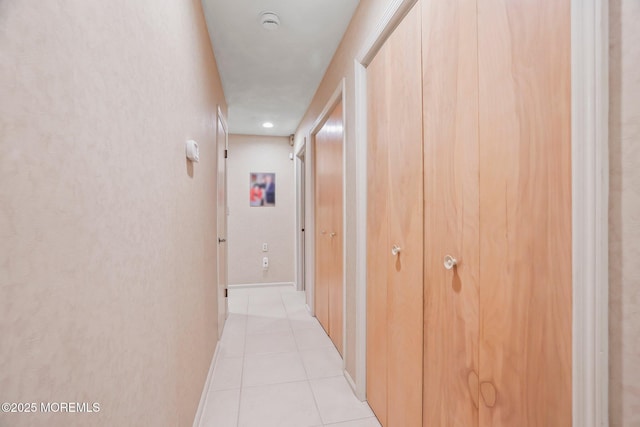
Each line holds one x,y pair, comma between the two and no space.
267,125
270,21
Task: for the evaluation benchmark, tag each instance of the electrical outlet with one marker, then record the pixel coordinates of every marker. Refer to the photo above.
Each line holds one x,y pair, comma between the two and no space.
265,262
265,247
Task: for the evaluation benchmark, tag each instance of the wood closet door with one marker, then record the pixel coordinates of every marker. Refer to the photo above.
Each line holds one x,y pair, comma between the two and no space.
525,213
335,130
395,217
322,228
451,324
329,234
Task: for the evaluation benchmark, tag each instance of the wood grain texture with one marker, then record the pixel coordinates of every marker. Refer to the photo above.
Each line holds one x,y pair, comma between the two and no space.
396,218
451,323
329,211
525,212
406,220
377,239
335,129
322,203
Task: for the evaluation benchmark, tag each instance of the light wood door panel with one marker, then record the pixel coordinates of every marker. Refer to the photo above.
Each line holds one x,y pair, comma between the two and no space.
335,129
377,237
451,323
395,217
406,220
525,212
322,228
329,234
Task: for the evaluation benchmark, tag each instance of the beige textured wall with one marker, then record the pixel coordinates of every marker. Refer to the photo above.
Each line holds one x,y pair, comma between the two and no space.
107,236
624,213
366,17
249,227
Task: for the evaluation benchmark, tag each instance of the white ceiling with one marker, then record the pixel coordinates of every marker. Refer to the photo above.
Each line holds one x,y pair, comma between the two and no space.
273,75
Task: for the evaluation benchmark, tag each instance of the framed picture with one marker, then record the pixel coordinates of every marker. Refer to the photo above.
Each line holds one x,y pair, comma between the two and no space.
262,189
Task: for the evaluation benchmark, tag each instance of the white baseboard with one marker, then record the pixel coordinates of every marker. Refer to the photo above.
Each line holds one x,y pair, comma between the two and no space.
205,391
352,384
260,285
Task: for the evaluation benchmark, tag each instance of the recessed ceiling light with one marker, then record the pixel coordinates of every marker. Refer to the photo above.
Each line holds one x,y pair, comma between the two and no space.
267,125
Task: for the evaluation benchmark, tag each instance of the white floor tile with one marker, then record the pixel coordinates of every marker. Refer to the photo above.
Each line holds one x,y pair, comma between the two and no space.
367,422
312,338
279,405
221,409
289,372
301,319
274,342
227,374
272,369
297,311
261,325
232,344
293,300
304,323
238,304
235,324
337,402
272,310
239,292
322,362
266,299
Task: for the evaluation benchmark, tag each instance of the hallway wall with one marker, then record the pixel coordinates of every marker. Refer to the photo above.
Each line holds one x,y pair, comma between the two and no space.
249,227
624,230
364,20
107,233
624,209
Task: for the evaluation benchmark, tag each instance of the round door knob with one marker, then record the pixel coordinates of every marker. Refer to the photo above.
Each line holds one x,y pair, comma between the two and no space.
450,262
333,234
395,250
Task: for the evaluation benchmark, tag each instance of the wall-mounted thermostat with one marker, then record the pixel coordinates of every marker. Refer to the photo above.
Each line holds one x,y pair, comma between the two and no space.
193,153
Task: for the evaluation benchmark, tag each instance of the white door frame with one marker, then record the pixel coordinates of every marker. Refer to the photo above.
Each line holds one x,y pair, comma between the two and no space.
300,170
220,118
589,146
309,146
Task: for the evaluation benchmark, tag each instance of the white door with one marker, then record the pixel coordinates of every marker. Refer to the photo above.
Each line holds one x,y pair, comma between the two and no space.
221,141
301,223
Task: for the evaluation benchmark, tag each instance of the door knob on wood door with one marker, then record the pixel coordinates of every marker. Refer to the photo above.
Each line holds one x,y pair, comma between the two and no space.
395,250
334,234
450,262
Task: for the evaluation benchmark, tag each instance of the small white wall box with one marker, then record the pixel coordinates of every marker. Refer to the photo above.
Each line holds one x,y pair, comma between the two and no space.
193,153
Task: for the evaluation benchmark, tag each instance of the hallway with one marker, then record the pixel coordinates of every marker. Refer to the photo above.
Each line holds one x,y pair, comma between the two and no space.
454,184
277,367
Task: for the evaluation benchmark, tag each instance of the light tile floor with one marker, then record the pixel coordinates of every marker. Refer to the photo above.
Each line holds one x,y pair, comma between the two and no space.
278,368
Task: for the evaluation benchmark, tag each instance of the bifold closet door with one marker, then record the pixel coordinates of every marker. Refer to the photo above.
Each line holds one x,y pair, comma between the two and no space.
329,229
525,213
335,129
451,322
322,206
394,228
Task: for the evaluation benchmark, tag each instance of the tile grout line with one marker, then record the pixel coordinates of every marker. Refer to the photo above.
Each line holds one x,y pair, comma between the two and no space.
244,348
349,421
313,395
